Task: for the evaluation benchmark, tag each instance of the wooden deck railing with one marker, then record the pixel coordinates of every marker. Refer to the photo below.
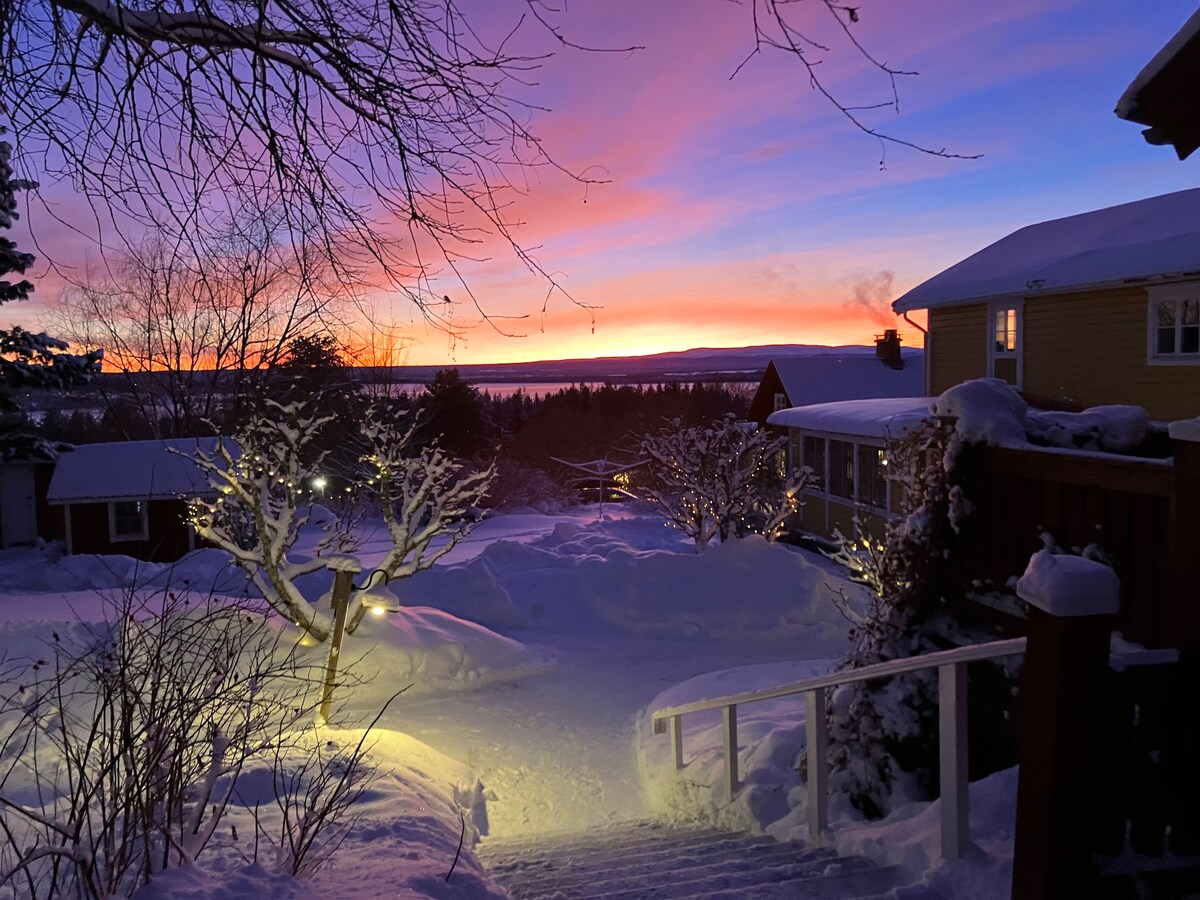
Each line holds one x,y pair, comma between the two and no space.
952,737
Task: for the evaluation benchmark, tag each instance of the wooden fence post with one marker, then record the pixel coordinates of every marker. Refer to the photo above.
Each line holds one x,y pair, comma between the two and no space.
1060,714
1178,621
344,570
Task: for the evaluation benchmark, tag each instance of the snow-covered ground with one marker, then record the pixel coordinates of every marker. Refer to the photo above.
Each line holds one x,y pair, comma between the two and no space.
530,655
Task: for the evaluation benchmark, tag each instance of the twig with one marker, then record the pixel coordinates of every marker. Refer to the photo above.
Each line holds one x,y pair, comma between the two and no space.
462,835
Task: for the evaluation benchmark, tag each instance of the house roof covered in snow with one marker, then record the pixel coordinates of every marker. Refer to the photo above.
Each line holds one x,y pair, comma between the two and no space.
130,470
1157,238
1163,95
824,379
887,417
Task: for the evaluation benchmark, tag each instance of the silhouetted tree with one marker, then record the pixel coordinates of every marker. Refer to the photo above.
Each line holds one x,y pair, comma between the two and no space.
453,413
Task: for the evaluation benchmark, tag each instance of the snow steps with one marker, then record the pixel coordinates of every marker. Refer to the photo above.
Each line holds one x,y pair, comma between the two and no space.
643,860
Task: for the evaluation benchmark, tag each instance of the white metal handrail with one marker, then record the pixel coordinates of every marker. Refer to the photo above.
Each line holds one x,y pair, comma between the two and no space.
952,738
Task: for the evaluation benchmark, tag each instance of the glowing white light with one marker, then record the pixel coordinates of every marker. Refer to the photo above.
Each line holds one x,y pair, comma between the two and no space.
378,611
319,482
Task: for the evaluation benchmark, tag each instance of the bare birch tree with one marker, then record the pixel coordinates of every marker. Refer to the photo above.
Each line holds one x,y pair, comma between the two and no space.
192,326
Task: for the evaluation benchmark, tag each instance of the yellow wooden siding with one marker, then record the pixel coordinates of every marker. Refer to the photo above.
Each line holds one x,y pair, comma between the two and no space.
958,345
1089,349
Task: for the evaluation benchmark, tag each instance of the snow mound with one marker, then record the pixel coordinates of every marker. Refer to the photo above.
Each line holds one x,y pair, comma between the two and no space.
411,818
37,570
469,591
433,650
709,594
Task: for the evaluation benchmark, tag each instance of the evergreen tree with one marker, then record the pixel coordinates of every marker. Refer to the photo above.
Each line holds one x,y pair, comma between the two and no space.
454,415
27,359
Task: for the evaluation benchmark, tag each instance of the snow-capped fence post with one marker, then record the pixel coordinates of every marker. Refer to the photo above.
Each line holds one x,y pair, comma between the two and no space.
1072,604
344,569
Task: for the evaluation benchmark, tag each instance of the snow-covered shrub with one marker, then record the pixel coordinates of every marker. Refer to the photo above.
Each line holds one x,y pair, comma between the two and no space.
883,734
720,480
517,486
123,743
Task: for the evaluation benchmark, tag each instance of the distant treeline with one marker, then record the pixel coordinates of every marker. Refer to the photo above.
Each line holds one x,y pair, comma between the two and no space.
581,422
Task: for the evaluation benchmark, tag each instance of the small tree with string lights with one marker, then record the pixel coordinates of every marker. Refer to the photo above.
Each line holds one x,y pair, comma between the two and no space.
263,482
721,480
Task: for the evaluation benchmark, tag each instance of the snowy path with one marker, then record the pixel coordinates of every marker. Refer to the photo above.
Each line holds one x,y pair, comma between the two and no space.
557,750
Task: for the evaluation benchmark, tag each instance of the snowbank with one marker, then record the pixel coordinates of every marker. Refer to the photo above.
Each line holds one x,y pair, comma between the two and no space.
403,844
600,577
770,738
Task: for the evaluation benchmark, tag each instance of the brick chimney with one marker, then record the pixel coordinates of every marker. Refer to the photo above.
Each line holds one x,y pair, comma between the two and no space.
887,348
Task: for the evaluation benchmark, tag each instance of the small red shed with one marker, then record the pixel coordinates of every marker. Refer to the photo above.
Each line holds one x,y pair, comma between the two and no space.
129,497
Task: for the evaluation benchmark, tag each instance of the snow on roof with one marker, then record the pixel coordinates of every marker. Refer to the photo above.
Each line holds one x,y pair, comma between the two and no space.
824,379
129,470
1154,238
880,418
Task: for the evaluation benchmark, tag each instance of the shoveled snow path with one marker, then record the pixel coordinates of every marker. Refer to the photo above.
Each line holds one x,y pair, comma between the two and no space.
557,750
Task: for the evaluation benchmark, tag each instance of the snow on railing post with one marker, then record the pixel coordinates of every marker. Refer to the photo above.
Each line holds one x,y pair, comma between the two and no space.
730,742
952,757
1061,782
344,569
816,732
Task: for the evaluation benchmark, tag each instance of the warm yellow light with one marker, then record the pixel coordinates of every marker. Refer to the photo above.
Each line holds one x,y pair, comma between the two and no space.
378,611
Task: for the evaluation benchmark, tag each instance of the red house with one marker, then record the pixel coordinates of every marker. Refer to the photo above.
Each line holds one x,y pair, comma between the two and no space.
129,497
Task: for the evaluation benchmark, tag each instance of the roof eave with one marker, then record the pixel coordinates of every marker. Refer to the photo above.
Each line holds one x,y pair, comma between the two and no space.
1163,96
1165,278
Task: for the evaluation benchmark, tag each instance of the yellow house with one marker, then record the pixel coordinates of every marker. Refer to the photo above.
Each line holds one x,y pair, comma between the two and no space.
1093,309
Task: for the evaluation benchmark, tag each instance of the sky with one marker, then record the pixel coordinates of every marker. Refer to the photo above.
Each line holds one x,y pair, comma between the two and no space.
743,209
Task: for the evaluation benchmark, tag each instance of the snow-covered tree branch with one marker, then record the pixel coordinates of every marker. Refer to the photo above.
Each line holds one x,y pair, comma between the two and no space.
263,500
262,503
720,479
428,502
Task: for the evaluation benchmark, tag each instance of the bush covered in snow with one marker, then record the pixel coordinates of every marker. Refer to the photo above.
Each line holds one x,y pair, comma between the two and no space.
883,733
719,480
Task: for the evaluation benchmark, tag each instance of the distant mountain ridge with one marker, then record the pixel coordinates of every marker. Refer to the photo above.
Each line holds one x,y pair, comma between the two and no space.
729,364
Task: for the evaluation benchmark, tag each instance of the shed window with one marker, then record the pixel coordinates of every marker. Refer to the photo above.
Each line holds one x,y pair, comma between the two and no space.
127,521
814,458
780,402
841,469
872,487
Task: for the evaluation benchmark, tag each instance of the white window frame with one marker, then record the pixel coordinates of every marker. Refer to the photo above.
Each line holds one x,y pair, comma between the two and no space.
779,401
1176,293
143,535
1018,353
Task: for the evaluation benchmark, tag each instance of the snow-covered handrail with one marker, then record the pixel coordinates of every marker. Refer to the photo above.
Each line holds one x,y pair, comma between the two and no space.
952,733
